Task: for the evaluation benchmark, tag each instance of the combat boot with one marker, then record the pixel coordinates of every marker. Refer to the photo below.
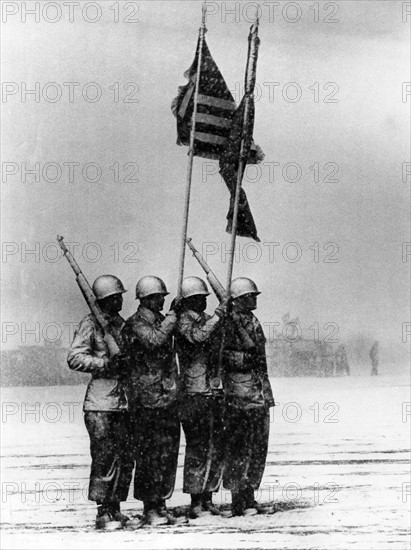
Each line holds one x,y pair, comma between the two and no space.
129,523
171,518
153,518
250,505
242,504
196,509
162,510
116,513
264,508
106,521
154,514
237,504
208,505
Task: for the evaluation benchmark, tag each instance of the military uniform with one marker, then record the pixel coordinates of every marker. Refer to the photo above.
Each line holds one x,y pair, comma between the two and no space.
201,413
105,411
152,391
248,399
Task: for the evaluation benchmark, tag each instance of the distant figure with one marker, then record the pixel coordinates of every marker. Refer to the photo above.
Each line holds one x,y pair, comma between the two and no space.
327,358
374,358
318,361
341,362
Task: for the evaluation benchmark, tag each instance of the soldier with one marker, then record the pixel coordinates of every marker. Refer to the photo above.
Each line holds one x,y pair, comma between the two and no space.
374,352
148,350
200,412
105,405
248,399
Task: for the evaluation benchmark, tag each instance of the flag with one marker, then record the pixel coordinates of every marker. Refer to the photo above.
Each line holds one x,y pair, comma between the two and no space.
216,112
229,165
215,107
239,143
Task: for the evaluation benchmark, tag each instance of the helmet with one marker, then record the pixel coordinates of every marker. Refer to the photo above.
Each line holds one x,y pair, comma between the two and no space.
150,285
242,286
193,286
107,285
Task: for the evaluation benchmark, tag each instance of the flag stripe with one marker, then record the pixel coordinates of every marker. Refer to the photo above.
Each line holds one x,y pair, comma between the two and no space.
209,138
215,111
216,102
186,101
213,120
213,130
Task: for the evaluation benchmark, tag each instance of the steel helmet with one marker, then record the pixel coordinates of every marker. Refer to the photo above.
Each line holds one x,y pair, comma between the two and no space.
193,286
242,286
107,285
150,285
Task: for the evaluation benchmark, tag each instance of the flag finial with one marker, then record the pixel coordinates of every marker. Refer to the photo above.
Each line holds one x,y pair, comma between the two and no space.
255,25
203,14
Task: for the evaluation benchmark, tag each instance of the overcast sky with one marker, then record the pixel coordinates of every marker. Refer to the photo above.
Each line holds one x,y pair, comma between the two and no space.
351,116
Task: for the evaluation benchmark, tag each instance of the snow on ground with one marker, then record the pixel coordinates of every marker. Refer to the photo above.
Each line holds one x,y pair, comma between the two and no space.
338,472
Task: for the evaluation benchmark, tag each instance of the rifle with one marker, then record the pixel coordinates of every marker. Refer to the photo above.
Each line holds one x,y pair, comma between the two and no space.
220,292
86,290
215,284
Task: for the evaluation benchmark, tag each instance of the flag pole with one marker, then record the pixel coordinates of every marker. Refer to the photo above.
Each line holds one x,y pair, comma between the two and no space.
249,90
202,32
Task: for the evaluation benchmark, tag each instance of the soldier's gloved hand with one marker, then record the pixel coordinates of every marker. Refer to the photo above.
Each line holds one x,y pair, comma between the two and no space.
177,305
112,346
234,316
223,307
113,367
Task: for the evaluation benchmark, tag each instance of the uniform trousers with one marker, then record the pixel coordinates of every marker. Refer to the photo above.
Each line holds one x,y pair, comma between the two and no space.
202,420
246,436
156,439
111,455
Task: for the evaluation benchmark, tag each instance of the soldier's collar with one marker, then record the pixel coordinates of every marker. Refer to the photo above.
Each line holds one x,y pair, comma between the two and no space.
113,319
244,312
148,315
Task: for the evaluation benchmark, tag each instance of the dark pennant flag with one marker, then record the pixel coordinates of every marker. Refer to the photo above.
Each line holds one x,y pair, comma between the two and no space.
229,165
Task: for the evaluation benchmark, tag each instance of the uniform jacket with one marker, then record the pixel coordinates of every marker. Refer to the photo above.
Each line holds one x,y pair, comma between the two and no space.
149,354
194,343
246,382
89,353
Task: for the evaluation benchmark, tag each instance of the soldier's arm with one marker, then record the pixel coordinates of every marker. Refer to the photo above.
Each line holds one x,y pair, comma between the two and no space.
260,352
253,357
120,363
153,337
126,344
81,356
197,332
262,360
263,368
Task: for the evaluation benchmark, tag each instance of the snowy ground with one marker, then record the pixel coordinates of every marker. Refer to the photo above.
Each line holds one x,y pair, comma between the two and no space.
338,472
